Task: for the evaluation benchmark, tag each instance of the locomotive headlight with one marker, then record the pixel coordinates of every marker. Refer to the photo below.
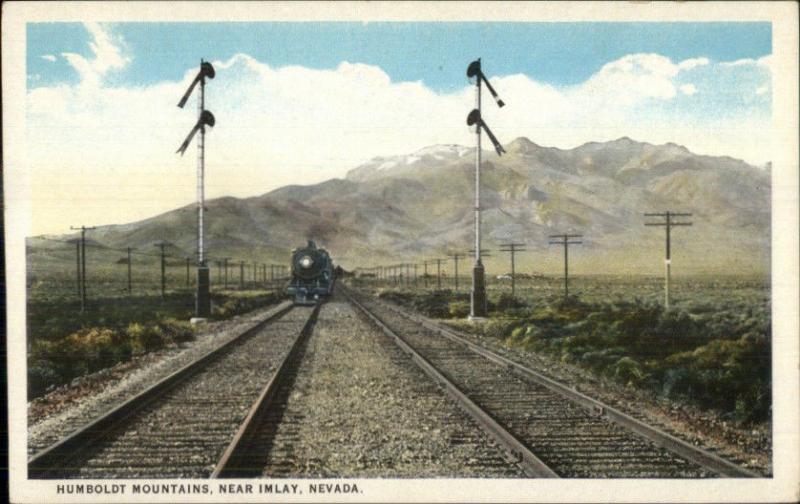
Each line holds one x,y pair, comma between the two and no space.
306,262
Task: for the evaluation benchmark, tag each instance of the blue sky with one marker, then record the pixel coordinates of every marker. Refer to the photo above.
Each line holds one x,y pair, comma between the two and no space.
434,53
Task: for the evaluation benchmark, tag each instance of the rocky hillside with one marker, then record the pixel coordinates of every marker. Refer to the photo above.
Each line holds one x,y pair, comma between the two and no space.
407,208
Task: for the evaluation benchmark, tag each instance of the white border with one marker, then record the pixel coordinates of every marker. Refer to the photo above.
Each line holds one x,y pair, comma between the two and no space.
784,486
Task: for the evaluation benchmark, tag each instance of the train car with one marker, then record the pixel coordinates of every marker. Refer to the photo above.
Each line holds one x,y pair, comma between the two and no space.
312,274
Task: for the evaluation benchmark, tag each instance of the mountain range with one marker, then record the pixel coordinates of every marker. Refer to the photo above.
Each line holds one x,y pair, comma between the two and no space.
421,205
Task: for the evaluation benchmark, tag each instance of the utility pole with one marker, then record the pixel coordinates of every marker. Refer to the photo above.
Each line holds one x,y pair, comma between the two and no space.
407,266
163,268
241,275
456,256
668,223
513,248
564,239
78,268
204,118
225,267
425,275
478,306
130,285
188,263
439,273
415,274
82,263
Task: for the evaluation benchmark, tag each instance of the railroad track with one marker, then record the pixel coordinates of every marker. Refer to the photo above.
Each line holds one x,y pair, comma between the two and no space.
552,430
347,403
182,425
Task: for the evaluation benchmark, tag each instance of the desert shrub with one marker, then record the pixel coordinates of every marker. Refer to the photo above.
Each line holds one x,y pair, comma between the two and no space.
176,331
97,347
235,303
459,309
627,370
718,361
396,296
498,328
436,303
42,373
732,376
145,338
508,302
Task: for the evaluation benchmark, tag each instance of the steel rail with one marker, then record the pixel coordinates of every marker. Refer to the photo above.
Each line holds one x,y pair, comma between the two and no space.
231,463
667,441
58,455
529,462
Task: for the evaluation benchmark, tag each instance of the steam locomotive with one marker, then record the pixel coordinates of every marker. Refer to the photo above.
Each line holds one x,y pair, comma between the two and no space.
312,274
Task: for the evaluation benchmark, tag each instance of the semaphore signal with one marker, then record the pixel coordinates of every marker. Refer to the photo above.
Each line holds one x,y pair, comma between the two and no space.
478,306
204,118
474,70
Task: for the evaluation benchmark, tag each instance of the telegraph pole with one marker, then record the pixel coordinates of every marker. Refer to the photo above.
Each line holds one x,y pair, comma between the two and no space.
456,256
163,268
415,274
225,267
241,275
478,305
129,271
425,274
204,118
513,248
78,268
438,273
668,223
82,263
188,263
564,239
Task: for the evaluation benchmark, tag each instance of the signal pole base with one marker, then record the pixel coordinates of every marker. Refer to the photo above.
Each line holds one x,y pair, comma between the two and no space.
478,308
202,305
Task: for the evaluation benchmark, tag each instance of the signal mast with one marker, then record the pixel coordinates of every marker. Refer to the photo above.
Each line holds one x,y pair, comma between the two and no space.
204,118
478,308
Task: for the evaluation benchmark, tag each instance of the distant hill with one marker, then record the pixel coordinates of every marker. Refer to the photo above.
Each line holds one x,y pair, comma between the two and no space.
407,208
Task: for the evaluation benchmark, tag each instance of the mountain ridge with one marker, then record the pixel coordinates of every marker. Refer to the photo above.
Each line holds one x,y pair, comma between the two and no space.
420,204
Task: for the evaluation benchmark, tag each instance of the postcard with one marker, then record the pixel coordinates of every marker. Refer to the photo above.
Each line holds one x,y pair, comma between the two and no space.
402,251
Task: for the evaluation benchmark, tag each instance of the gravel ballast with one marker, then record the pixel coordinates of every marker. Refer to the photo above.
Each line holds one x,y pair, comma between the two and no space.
358,407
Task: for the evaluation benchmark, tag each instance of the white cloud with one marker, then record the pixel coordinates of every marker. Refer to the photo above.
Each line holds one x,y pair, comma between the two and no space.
48,57
764,61
634,77
114,146
107,55
693,63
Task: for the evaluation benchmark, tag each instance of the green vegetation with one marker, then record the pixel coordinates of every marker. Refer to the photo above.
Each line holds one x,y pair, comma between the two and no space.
64,344
711,349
